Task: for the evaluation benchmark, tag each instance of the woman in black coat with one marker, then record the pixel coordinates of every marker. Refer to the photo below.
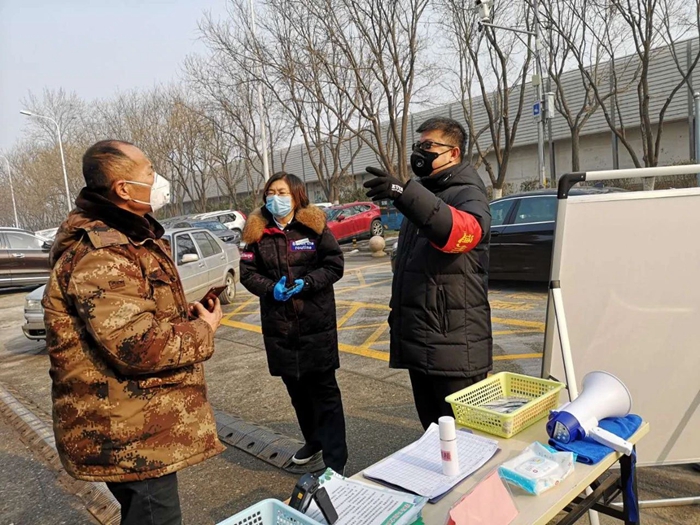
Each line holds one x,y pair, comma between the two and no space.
291,261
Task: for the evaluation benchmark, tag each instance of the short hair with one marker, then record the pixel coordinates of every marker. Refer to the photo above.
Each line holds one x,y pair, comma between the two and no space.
296,188
450,128
103,162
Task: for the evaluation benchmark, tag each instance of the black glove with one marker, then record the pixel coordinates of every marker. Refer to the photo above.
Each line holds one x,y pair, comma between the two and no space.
383,186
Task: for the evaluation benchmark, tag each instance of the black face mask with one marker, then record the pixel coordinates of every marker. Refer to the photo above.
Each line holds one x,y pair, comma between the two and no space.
422,162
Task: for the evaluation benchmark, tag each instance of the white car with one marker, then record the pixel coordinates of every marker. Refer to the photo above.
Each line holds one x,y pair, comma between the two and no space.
49,234
202,261
233,220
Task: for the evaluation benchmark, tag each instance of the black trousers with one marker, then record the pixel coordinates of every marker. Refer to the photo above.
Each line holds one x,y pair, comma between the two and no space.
149,502
319,408
429,393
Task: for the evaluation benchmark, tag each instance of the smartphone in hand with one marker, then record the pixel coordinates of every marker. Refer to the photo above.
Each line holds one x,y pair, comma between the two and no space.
212,294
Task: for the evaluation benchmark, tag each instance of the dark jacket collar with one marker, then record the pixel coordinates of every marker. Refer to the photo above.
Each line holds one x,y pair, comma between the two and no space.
461,175
137,228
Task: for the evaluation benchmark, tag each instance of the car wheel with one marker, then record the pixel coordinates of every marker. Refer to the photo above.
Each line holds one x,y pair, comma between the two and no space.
238,231
376,228
229,294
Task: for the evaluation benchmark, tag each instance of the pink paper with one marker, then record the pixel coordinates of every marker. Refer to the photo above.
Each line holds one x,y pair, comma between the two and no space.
488,504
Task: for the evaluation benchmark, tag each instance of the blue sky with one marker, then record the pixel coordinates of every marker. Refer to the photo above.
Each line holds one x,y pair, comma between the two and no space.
94,48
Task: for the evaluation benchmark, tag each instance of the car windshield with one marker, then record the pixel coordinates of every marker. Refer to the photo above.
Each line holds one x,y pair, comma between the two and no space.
210,225
332,213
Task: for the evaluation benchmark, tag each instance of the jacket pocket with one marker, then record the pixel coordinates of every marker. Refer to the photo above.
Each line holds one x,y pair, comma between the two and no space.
170,378
442,310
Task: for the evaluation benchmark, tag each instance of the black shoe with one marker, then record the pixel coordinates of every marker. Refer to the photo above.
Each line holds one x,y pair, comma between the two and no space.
306,454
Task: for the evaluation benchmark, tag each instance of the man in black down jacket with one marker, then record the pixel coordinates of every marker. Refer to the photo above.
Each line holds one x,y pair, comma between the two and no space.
440,317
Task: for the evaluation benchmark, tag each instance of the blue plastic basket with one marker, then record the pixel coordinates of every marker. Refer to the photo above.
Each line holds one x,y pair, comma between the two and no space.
269,512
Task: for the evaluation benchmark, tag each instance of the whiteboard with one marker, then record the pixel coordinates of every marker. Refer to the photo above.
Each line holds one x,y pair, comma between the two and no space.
630,281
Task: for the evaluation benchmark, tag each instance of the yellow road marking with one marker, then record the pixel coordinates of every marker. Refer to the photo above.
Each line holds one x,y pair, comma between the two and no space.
365,352
353,288
507,305
517,322
360,326
388,264
352,311
243,326
249,312
512,357
376,306
374,336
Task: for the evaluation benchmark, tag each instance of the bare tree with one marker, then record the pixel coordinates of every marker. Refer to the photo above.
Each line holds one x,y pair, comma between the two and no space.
650,30
496,63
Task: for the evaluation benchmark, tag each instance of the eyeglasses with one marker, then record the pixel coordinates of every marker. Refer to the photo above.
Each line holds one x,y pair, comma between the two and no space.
281,193
427,145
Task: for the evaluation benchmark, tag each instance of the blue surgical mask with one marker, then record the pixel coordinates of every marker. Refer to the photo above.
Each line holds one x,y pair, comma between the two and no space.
279,205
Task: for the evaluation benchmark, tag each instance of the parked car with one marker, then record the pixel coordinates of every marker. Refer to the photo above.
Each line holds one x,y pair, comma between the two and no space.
49,234
218,229
522,234
233,220
24,258
202,261
355,220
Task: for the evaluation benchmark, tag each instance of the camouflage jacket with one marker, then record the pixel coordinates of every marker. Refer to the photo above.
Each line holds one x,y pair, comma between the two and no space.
129,397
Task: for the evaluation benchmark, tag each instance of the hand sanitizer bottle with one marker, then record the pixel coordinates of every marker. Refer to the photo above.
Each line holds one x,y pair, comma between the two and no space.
448,446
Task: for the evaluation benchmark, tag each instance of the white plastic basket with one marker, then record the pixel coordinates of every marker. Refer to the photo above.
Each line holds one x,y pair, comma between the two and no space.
269,512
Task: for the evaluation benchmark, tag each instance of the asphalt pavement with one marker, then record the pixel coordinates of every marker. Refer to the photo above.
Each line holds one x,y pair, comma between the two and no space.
378,404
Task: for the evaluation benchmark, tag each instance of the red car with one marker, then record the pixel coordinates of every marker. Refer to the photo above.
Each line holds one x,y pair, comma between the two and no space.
355,220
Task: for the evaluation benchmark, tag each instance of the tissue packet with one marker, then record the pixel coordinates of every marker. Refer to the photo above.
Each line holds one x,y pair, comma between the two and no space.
537,468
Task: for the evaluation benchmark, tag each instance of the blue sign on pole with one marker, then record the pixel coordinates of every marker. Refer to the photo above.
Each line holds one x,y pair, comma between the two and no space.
536,109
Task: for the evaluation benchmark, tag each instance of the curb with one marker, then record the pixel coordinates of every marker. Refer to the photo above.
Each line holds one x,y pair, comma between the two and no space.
38,436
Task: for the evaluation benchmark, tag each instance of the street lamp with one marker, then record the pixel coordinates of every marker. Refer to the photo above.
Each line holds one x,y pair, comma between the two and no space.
60,146
543,108
263,131
12,190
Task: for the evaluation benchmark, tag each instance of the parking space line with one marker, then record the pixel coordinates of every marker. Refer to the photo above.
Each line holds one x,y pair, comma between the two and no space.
353,288
374,336
244,326
360,326
518,322
375,306
352,311
364,351
513,357
387,264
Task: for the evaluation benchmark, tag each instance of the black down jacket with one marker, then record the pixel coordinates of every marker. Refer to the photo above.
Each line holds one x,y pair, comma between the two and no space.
300,334
440,316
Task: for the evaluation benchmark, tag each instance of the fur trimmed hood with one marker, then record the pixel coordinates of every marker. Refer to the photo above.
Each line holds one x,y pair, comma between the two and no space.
312,217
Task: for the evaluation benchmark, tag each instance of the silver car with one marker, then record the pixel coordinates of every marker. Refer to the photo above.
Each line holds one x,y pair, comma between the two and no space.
202,261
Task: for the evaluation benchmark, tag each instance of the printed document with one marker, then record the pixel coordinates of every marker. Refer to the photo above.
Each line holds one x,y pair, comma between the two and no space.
418,467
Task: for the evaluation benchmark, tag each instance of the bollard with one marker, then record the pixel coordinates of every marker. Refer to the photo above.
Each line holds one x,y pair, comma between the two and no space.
377,245
354,243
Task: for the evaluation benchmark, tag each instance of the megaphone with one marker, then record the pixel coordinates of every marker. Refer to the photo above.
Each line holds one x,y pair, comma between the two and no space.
603,395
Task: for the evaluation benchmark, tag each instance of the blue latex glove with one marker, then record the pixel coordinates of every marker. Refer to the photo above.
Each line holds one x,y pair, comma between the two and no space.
281,293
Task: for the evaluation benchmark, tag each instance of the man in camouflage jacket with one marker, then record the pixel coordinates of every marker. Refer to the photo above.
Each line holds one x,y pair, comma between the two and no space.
129,399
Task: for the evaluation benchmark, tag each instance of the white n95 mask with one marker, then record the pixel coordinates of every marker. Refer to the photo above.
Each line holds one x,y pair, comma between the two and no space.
160,192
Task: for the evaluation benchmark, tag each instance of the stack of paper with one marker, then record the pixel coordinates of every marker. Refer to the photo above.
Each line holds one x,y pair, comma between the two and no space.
358,503
418,467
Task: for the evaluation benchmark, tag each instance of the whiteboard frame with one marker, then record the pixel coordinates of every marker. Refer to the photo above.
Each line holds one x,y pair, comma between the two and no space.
556,321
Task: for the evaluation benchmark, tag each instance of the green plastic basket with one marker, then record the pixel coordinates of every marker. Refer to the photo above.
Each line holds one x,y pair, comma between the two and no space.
466,404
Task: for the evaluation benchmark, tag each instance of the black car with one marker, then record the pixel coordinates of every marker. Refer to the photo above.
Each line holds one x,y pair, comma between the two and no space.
218,229
522,233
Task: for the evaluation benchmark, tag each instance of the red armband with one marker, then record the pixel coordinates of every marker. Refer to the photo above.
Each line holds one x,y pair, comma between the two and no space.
465,235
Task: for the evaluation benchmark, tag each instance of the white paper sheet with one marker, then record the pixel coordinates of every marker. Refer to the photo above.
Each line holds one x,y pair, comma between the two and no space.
358,503
418,467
